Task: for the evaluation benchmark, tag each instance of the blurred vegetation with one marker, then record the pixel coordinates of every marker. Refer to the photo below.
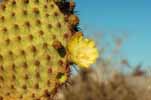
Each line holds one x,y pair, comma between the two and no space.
110,79
87,86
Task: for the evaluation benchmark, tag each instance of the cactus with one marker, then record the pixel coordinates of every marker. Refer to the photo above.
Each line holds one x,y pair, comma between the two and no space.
34,59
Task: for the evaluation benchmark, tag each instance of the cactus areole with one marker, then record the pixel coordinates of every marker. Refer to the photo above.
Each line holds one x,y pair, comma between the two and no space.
34,53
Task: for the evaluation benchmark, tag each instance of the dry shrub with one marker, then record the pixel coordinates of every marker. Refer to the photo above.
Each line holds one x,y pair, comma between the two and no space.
86,87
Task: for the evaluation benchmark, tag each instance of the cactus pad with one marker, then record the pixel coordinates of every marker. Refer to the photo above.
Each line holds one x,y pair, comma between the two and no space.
33,38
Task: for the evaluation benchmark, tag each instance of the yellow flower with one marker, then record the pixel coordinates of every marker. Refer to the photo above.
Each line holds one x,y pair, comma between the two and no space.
82,51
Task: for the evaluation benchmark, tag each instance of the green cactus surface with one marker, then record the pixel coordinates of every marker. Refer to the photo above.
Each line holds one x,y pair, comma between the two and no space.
33,40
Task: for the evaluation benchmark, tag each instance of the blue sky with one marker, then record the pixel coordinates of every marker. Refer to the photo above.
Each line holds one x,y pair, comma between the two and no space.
132,17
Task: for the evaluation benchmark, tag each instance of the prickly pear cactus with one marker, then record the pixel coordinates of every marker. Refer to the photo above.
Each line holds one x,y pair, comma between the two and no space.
34,50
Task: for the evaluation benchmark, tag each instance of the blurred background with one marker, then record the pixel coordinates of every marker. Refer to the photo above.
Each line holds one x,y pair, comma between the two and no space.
121,29
125,19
